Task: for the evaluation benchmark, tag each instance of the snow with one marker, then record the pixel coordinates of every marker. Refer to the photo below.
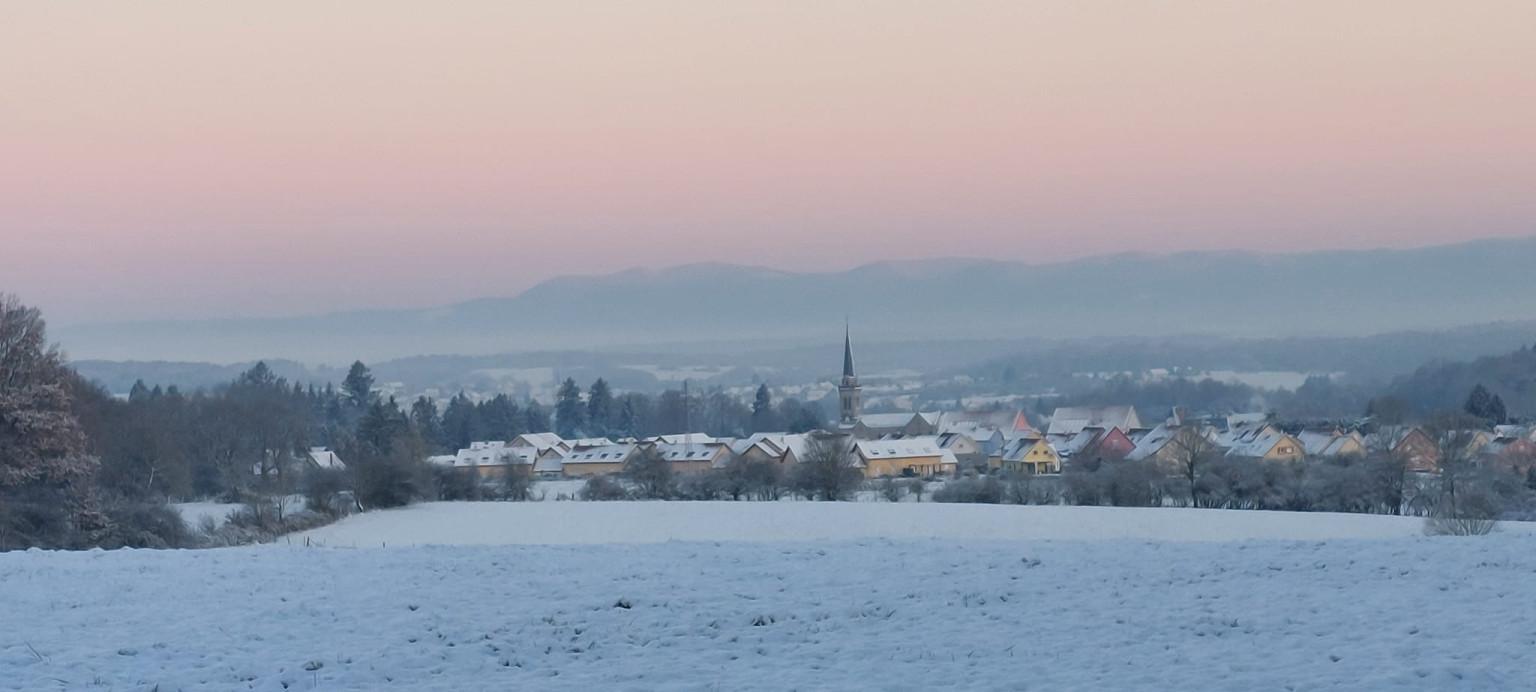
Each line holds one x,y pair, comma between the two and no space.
813,596
194,512
559,523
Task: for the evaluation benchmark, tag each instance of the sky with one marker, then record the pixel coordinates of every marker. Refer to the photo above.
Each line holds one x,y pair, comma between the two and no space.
194,159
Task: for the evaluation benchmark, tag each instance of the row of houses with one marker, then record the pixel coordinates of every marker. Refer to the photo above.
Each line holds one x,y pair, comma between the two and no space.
545,455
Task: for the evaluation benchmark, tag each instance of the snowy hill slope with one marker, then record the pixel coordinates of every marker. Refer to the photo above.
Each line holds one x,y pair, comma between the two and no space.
1386,614
503,523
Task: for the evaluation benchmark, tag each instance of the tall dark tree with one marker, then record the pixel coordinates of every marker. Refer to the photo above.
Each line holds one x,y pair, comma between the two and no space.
599,407
570,414
629,421
535,417
358,387
502,418
762,410
1484,405
461,422
428,423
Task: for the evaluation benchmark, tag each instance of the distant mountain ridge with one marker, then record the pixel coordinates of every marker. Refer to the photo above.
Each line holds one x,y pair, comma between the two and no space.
1220,293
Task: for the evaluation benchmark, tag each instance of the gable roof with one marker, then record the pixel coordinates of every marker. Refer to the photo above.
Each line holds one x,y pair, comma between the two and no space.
607,454
1149,443
905,448
1070,420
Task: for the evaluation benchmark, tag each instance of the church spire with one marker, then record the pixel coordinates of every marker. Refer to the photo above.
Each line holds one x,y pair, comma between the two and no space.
847,353
848,398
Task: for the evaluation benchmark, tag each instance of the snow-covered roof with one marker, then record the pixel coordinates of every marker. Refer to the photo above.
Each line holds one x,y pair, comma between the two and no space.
887,420
584,442
696,451
1069,420
607,454
1015,449
1318,442
540,441
1252,442
1150,442
906,448
548,464
1068,444
683,438
325,459
495,456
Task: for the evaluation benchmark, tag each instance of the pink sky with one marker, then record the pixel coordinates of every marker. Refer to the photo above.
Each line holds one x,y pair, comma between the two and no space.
170,159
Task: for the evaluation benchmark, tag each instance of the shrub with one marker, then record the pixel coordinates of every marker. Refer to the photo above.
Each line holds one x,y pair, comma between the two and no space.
137,524
711,485
602,489
986,490
323,489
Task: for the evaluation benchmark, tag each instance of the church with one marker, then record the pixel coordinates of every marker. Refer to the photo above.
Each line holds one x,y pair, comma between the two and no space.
852,420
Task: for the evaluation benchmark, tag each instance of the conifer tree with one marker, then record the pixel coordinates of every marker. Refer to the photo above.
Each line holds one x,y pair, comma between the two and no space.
570,414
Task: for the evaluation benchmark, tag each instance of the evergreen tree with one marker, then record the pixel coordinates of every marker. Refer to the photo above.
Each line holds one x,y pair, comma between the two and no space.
535,417
1484,405
461,422
627,423
762,410
570,414
139,392
501,418
358,387
599,407
428,423
381,426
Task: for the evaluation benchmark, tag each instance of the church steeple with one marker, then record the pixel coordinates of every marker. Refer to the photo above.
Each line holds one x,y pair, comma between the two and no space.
848,389
847,354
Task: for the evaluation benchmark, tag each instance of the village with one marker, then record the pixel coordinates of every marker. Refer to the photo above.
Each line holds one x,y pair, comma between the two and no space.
1000,443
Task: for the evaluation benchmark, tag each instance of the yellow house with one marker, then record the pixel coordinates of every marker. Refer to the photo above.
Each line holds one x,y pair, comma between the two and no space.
1264,442
1029,455
913,456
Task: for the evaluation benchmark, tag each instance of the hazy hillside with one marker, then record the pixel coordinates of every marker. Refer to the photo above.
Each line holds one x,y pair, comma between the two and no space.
1445,385
1225,294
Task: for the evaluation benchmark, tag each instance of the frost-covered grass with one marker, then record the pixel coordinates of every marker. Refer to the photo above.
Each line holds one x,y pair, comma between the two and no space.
802,604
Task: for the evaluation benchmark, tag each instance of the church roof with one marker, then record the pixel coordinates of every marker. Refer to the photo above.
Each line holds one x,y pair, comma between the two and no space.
847,353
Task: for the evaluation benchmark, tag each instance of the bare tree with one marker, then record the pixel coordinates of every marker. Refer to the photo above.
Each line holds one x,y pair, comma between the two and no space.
651,475
828,470
1191,452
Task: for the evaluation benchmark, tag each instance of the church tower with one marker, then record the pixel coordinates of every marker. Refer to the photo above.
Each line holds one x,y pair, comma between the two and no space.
848,388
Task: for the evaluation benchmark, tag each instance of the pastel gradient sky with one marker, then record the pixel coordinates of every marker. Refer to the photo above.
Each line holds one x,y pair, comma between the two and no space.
189,159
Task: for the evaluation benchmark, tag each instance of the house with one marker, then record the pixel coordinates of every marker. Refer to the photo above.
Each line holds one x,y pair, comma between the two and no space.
912,456
873,426
539,441
1415,447
493,459
323,458
785,449
1331,444
597,461
1070,420
1091,445
1515,453
1159,444
1264,442
1027,455
691,457
967,451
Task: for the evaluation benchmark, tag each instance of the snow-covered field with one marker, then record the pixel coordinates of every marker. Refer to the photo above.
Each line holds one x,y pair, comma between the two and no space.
812,599
535,523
